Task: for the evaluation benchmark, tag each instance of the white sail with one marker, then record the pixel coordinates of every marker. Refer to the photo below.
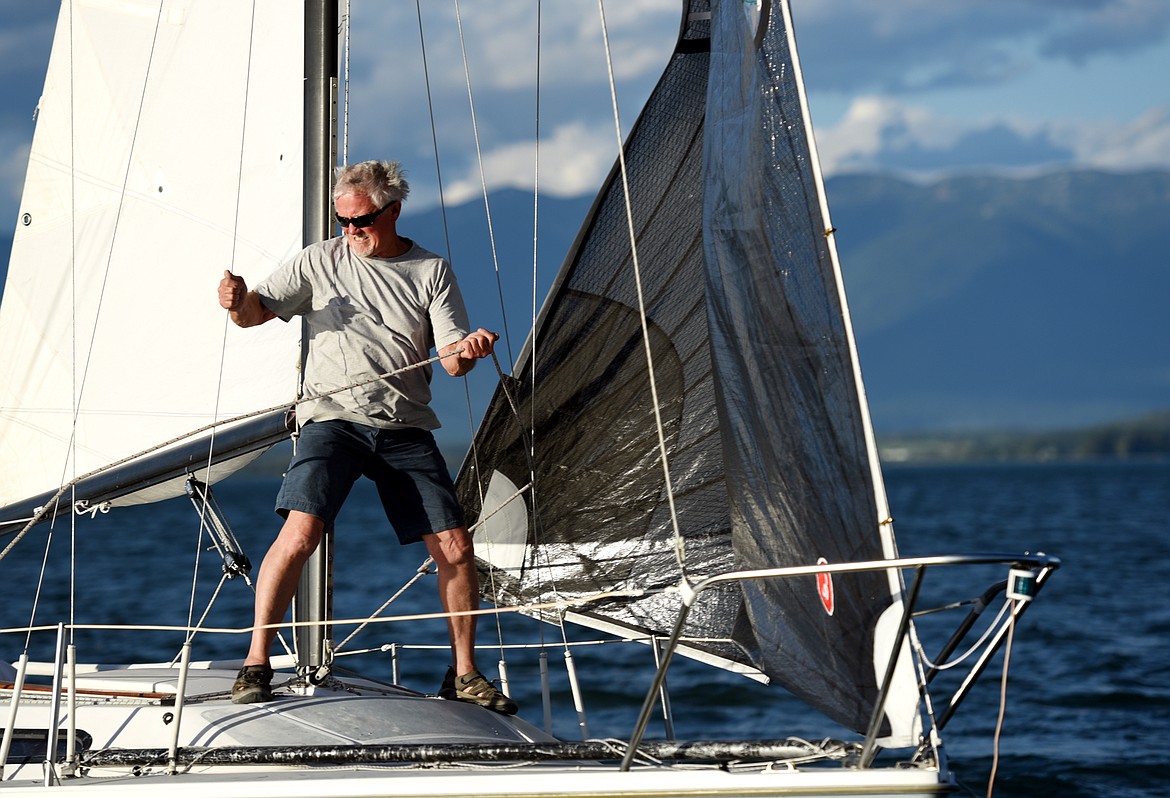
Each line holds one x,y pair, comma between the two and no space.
168,148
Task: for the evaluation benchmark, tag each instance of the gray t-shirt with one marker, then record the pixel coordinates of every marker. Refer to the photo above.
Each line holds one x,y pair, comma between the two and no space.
364,317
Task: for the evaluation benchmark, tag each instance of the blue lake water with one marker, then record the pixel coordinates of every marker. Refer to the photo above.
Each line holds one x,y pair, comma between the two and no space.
1088,703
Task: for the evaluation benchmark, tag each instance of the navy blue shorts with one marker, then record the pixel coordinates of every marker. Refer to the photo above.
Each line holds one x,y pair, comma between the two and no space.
405,464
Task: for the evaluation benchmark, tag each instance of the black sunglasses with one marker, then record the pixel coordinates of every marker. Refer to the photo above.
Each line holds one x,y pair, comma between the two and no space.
365,220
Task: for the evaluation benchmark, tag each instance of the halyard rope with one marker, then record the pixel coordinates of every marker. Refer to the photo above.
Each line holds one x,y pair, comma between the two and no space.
658,424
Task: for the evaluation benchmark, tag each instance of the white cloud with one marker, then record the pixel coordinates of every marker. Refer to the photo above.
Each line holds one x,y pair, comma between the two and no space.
912,57
391,109
572,162
500,41
1142,142
918,56
910,46
874,125
882,132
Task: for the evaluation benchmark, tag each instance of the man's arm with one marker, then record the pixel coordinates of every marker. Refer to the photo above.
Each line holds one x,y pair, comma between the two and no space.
480,343
243,305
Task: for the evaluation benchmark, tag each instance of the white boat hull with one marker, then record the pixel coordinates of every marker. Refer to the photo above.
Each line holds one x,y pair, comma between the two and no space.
335,720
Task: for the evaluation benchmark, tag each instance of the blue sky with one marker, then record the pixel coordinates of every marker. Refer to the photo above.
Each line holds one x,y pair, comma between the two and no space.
921,87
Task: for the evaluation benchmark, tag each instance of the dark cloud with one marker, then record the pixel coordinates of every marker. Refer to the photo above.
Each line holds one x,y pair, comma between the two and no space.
995,146
899,48
26,33
1109,28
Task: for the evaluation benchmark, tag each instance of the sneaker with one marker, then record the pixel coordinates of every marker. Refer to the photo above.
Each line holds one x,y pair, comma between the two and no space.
474,688
253,685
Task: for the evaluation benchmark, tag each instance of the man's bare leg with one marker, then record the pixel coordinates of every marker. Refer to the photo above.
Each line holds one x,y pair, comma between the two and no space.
459,592
280,572
452,552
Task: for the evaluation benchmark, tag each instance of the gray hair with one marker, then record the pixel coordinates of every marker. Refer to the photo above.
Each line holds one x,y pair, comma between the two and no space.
382,181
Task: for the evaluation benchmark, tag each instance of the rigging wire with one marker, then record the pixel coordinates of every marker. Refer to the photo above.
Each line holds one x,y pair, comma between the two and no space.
474,456
345,29
930,741
434,132
531,443
447,241
78,390
976,646
72,449
420,572
483,183
528,439
193,629
1003,682
41,584
479,485
203,503
491,234
203,523
679,552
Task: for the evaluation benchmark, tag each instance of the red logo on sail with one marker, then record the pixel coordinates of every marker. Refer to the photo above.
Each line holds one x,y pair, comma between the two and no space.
825,587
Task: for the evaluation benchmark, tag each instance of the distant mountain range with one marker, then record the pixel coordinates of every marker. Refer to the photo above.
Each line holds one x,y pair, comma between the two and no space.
980,303
985,302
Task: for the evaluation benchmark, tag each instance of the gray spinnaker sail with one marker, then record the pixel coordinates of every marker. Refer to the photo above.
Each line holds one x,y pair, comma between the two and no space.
766,432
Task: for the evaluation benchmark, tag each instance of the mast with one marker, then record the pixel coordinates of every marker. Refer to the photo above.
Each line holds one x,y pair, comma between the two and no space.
315,591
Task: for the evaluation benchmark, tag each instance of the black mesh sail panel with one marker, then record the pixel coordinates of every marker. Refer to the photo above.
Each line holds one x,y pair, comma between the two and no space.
752,365
596,519
800,488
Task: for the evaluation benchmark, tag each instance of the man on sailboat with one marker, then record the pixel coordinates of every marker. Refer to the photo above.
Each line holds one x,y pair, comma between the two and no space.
374,303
